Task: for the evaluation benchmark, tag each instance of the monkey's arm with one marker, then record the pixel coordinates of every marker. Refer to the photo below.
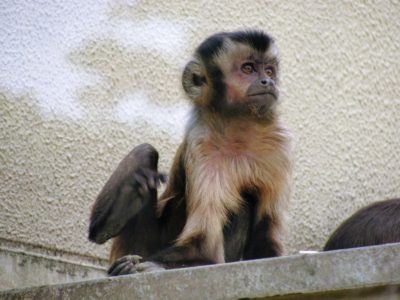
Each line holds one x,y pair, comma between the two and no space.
132,184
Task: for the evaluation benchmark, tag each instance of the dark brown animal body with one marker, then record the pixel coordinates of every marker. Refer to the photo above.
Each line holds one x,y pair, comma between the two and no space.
376,224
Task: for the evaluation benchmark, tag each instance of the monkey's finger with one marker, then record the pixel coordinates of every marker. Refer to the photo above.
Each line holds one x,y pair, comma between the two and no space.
122,261
128,269
143,188
152,181
119,268
159,178
111,269
116,263
143,192
162,177
134,258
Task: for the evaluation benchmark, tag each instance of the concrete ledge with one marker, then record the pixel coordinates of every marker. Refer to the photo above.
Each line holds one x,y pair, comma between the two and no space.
52,252
26,266
351,272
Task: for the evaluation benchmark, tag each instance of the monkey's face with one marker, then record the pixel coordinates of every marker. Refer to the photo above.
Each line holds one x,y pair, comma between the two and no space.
234,73
252,82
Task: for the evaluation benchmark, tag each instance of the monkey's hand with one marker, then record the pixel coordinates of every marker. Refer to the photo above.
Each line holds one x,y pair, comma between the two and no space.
130,264
132,185
146,180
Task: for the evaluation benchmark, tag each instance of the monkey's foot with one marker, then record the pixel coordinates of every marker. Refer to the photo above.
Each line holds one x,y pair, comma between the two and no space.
130,264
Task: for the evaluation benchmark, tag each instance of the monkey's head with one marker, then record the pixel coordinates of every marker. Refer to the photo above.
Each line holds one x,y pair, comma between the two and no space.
235,73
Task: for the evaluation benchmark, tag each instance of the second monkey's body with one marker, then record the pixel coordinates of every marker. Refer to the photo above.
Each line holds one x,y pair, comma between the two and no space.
228,186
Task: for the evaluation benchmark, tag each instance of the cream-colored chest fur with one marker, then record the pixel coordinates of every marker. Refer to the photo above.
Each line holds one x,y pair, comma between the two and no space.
220,165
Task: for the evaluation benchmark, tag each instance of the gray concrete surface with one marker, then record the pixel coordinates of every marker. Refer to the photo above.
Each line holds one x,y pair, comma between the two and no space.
24,266
369,272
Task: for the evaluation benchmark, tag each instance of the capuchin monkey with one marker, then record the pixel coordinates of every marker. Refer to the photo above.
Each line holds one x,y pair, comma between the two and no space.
375,224
229,183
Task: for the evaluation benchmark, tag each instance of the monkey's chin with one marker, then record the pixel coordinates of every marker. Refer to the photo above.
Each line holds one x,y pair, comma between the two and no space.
260,105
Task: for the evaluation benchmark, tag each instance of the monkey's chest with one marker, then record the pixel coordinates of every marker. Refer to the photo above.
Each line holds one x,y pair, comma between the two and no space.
222,173
220,169
235,163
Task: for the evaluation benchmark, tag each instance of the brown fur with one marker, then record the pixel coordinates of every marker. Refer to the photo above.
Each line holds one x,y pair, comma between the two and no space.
223,158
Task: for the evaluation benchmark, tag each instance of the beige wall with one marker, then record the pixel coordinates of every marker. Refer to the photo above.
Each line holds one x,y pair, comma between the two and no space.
81,82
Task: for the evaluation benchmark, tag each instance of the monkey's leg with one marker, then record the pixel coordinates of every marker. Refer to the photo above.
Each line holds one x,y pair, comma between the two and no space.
262,241
235,236
169,226
237,229
132,185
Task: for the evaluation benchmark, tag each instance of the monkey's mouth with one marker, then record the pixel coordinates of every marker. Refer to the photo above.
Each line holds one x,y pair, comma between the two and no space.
264,94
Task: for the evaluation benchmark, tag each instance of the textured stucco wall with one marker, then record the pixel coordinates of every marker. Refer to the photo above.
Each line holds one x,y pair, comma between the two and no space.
81,82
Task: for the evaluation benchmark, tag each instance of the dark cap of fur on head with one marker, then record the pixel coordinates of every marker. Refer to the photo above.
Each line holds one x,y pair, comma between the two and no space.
257,39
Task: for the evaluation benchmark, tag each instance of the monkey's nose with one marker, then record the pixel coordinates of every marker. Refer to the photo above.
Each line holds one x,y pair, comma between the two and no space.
264,81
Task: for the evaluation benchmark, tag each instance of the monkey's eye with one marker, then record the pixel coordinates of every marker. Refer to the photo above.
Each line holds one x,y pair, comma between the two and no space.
248,68
269,72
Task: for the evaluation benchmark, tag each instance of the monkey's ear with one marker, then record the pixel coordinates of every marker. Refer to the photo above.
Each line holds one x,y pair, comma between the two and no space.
193,80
